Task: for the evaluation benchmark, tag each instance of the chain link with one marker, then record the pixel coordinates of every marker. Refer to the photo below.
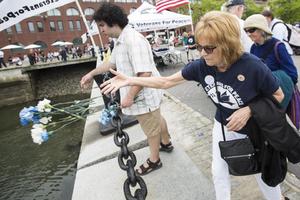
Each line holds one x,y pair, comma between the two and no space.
121,139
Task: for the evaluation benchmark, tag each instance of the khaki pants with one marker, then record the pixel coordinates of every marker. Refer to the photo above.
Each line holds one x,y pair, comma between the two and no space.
153,123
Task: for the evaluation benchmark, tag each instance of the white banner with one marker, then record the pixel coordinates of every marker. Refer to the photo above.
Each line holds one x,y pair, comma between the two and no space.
94,28
14,11
84,37
146,18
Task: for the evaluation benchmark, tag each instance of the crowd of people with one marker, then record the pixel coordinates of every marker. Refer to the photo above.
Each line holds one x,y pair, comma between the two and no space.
35,56
239,63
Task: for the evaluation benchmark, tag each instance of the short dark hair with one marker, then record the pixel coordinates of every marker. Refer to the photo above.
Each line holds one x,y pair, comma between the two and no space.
268,13
111,14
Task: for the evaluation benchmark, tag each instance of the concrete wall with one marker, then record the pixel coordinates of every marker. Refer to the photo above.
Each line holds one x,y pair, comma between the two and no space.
53,82
17,87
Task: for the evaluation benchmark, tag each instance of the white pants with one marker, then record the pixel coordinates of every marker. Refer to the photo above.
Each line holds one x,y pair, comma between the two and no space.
220,171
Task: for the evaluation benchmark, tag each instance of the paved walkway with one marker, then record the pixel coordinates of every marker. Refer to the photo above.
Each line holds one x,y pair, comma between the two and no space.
186,172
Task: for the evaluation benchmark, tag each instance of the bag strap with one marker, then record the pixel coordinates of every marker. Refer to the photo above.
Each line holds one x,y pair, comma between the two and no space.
287,28
279,22
276,51
220,108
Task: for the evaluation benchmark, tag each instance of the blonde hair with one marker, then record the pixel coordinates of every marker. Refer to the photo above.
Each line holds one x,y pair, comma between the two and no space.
222,30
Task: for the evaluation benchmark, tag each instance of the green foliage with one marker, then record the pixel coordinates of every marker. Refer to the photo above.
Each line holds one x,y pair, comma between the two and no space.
252,8
200,7
287,10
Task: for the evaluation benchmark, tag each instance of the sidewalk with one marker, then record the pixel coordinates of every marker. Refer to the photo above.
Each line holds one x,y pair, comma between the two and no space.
186,172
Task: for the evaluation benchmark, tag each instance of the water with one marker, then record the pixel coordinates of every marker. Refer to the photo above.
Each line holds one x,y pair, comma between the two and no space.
30,171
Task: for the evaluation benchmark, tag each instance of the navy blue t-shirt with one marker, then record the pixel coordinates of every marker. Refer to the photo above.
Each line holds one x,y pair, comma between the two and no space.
246,79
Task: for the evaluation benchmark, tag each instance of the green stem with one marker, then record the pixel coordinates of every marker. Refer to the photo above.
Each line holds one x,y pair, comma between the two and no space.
65,125
64,111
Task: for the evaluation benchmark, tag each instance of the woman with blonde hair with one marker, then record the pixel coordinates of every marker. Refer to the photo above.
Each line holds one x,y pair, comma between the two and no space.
223,69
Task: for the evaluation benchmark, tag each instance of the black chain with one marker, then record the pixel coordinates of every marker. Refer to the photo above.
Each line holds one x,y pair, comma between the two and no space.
121,139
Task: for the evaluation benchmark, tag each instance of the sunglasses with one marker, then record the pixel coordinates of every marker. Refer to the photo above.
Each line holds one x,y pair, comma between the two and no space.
208,49
250,30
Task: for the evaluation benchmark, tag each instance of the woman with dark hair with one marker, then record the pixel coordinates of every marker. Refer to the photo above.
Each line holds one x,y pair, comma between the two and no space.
224,68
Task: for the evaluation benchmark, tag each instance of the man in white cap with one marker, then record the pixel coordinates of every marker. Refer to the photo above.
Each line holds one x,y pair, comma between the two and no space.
237,7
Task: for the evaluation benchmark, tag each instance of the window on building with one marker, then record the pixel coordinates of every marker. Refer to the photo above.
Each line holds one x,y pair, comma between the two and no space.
60,25
9,30
89,11
72,12
95,1
52,26
54,12
18,28
78,25
40,26
31,27
126,1
132,10
71,26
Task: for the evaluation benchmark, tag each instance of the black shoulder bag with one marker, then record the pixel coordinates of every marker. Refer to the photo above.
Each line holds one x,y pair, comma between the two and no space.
239,154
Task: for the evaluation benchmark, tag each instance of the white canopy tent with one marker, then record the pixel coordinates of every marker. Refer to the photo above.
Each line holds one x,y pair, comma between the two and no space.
11,46
68,43
145,18
58,43
33,46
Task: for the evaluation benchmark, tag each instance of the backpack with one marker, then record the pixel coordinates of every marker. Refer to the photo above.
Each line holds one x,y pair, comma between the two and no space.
293,34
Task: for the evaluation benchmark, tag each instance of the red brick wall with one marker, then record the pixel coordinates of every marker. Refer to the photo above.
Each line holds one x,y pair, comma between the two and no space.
48,37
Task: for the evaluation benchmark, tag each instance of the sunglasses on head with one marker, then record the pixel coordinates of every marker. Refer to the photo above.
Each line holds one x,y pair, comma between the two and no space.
208,49
250,30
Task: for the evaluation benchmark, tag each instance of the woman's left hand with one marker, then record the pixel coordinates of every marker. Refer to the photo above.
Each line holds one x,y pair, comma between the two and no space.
238,119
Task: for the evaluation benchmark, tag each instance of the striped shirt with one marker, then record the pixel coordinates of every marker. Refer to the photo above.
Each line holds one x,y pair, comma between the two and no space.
132,55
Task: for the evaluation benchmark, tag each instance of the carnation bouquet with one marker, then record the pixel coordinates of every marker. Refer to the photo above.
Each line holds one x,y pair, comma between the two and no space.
46,119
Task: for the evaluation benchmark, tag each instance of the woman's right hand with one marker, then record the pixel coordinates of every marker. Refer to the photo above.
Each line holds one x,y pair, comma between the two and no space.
113,84
86,80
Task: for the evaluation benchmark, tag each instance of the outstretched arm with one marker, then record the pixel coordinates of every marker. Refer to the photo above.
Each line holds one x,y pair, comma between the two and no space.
86,79
121,80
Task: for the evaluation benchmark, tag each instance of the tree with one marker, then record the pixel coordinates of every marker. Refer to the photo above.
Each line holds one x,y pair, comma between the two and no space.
287,10
200,7
252,8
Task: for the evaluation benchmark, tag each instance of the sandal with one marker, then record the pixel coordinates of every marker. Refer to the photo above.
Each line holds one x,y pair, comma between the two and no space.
151,167
166,147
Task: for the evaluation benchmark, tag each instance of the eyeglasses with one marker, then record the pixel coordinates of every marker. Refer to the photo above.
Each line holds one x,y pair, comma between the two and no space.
250,30
208,49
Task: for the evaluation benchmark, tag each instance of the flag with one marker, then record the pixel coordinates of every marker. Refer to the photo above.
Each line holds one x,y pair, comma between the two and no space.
14,11
84,37
94,28
162,5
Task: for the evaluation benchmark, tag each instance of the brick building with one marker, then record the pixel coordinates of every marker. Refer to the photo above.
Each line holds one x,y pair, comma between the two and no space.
60,24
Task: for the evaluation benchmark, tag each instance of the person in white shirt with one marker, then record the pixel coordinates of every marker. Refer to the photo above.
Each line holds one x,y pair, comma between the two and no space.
2,59
278,29
237,7
132,55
